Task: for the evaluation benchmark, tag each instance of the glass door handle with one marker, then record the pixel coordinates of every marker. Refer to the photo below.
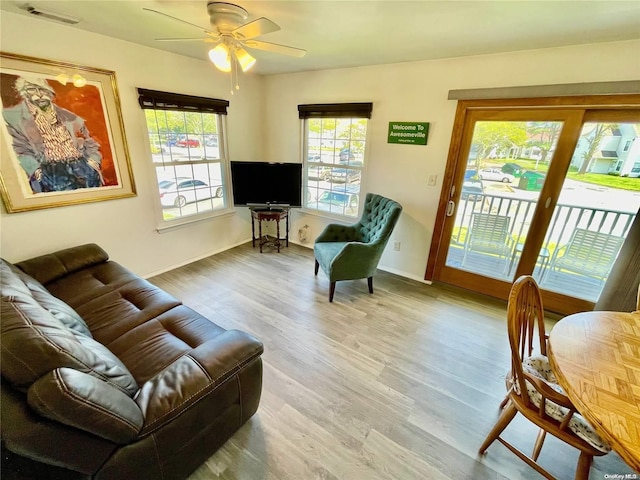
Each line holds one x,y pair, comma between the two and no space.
451,206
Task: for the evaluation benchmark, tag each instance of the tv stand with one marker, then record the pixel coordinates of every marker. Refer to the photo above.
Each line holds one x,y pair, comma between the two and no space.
269,213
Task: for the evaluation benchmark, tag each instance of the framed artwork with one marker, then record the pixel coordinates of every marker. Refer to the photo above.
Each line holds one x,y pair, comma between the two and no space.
62,138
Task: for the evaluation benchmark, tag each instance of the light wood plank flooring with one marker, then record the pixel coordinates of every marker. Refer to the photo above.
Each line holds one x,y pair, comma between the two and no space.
401,384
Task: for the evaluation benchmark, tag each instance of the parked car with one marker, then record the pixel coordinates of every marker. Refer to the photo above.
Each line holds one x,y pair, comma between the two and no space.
344,175
211,141
469,174
346,155
179,192
495,174
472,190
188,142
171,140
318,172
512,168
344,203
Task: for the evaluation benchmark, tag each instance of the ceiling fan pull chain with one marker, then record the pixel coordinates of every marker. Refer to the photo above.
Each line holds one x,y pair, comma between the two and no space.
234,72
235,69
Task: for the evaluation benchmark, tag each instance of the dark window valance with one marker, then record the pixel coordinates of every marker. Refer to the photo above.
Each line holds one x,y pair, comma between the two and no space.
336,110
153,99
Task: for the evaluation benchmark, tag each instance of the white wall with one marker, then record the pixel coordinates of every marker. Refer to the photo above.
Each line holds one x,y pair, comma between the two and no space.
126,228
417,92
263,125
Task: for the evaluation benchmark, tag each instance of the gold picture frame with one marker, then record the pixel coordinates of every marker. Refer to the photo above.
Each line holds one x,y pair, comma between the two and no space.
62,136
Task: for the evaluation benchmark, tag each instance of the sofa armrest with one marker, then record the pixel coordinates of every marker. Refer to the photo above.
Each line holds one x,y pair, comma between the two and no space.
335,232
77,399
47,268
356,260
193,376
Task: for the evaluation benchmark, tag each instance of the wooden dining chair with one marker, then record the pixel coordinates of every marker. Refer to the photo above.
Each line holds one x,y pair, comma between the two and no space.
533,390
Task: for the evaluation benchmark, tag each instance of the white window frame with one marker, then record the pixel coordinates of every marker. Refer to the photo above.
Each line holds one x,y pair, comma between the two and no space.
222,160
330,161
627,145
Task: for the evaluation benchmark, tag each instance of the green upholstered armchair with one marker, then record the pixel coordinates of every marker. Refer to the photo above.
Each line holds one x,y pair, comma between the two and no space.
349,252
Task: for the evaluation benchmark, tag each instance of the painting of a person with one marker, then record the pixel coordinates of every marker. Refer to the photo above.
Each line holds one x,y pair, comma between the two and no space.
53,145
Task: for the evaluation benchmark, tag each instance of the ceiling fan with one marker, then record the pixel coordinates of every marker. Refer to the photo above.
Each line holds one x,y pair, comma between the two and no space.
230,36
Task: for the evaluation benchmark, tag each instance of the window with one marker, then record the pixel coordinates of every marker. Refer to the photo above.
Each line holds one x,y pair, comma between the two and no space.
185,136
627,145
335,138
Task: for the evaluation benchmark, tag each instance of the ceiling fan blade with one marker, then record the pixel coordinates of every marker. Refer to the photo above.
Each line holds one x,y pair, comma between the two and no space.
274,47
258,27
178,20
197,39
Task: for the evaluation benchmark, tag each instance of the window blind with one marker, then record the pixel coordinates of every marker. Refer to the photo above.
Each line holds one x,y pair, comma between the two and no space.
336,110
154,99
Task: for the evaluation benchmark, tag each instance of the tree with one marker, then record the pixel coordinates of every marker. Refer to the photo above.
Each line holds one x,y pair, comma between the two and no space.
194,123
498,135
594,138
354,131
543,135
318,126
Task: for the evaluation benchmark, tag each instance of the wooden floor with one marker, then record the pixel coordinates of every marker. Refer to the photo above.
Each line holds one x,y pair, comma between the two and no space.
401,384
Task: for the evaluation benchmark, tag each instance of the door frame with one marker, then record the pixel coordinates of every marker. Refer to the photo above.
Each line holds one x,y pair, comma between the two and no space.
579,109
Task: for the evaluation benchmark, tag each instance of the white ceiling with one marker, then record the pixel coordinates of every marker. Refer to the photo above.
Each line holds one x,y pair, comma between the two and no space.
339,34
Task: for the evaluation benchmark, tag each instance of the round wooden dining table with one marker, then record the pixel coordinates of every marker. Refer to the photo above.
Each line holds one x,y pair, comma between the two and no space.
596,358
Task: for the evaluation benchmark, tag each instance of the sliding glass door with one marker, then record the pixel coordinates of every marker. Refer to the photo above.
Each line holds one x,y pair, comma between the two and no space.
598,201
499,194
547,191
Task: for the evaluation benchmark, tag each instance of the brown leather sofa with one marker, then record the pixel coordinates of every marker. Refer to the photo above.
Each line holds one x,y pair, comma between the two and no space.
105,374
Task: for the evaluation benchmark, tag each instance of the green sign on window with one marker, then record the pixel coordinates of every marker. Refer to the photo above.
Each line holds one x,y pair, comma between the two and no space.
413,133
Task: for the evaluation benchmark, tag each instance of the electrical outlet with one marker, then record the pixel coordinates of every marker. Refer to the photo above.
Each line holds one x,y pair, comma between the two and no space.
432,180
396,246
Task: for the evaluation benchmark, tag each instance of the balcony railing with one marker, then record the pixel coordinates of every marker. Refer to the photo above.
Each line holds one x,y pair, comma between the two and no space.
596,234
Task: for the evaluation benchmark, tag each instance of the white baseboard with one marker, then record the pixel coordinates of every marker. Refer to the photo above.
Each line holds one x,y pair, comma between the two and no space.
403,274
400,273
306,245
194,259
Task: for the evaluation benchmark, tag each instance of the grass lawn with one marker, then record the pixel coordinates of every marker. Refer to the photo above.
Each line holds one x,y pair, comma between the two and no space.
622,183
611,181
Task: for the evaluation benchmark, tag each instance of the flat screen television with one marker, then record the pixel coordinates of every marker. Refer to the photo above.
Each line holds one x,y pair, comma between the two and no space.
263,184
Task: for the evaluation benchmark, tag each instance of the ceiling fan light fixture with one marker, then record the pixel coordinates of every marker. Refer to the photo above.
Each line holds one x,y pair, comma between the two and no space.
220,57
245,60
230,34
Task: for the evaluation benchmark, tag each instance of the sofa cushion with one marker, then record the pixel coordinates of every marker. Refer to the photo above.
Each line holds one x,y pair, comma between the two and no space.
47,268
28,327
11,278
147,349
106,291
82,401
